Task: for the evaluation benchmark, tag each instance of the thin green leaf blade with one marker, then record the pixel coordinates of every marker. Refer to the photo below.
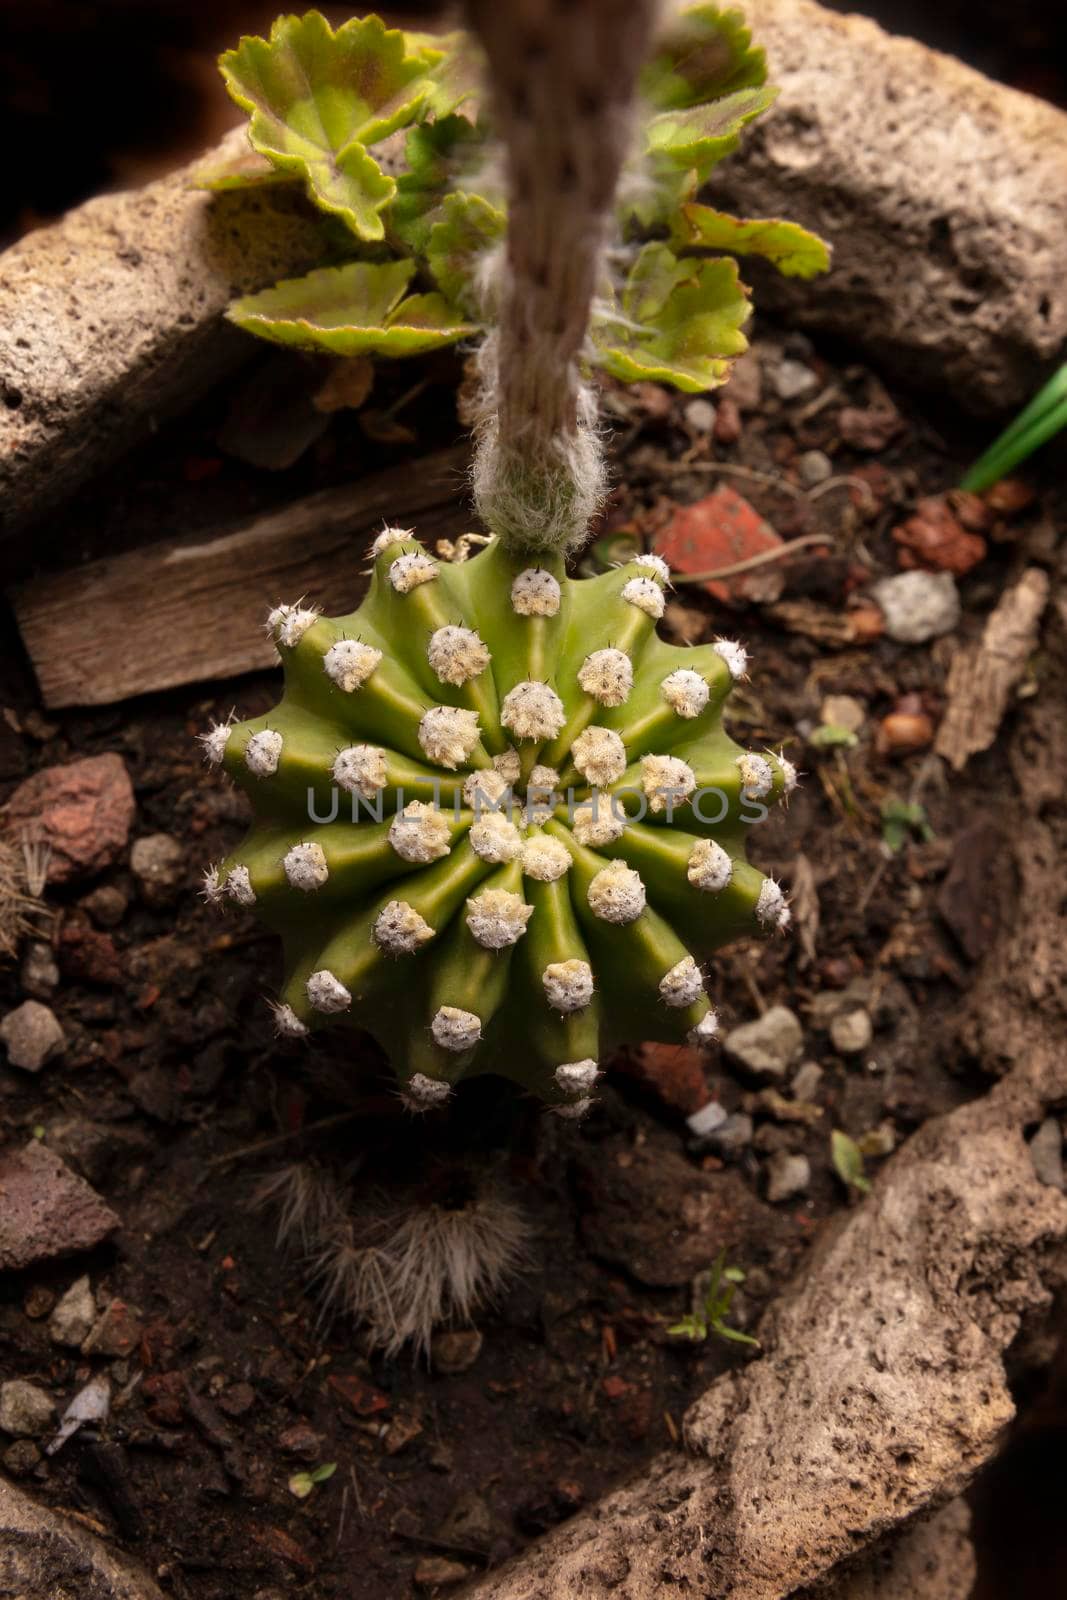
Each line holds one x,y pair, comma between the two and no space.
792,249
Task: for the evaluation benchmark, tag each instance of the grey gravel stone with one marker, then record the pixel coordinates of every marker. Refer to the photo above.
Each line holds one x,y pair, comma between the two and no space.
455,1350
21,1458
787,1176
814,466
918,605
700,415
74,1315
851,1032
792,379
158,863
805,1085
707,1119
25,1410
769,1046
1046,1152
32,1036
731,1137
39,975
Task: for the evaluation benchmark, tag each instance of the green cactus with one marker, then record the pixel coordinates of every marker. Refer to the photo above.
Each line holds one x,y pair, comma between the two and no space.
498,821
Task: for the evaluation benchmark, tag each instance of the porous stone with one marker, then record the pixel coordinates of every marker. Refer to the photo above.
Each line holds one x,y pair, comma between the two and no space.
1046,1152
768,1046
26,1411
805,1085
82,812
31,1034
47,1556
112,318
943,193
48,1210
157,862
787,1176
74,1315
851,1032
918,605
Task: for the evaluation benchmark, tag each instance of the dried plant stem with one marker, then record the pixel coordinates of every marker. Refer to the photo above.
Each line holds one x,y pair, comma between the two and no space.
563,82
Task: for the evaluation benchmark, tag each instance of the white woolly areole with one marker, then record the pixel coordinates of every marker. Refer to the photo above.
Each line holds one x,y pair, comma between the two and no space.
305,866
484,788
685,692
288,624
544,779
535,593
568,984
327,993
508,764
421,1093
617,894
683,984
608,675
666,778
360,769
448,734
705,1031
532,711
545,858
214,742
577,1077
457,654
286,1022
735,655
575,1110
497,918
654,564
710,868
455,1029
400,929
420,833
408,571
600,756
263,752
598,820
771,909
790,776
390,536
238,886
757,775
495,839
211,887
646,595
349,663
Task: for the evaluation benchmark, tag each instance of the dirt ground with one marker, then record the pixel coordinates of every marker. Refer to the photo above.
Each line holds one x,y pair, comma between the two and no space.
175,1100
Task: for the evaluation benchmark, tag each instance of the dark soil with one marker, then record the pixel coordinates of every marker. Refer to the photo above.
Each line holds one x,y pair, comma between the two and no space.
175,1099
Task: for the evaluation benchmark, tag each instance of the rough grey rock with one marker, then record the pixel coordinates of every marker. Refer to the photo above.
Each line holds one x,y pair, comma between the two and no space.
932,1559
158,863
1046,1152
792,379
73,1315
769,1046
943,194
46,1556
814,467
707,1119
111,319
31,1035
39,974
918,605
730,1136
48,1210
787,1176
26,1411
805,1085
851,1032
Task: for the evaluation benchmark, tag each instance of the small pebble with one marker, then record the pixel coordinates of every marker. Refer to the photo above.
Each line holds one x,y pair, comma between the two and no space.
787,1176
851,1032
455,1350
843,711
39,975
730,1137
806,1083
814,467
728,427
301,1441
116,1332
38,1302
707,1119
25,1410
769,1046
158,864
918,605
700,415
73,1316
21,1458
437,1572
792,379
32,1036
1046,1153
107,905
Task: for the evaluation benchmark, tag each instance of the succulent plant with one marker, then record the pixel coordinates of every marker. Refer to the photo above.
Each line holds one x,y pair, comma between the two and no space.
498,822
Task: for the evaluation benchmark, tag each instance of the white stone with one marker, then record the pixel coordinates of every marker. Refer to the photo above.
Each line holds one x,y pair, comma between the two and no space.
617,894
73,1315
710,868
456,654
532,710
608,675
600,756
568,984
360,769
263,752
448,734
535,593
349,663
400,929
26,1411
683,984
31,1035
497,918
787,1176
420,833
327,993
918,605
305,866
685,692
768,1046
707,1119
456,1029
544,858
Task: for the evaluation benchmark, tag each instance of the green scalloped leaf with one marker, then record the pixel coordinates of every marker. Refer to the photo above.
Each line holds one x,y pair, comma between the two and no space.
699,137
679,323
457,78
701,54
317,98
240,169
441,156
468,227
789,247
352,310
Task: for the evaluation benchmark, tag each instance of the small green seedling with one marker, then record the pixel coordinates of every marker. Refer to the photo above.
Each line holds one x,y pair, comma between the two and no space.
902,820
301,1484
831,737
718,1297
847,1158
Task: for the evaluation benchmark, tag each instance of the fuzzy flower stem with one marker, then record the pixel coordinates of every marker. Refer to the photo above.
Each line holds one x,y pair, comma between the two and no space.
564,81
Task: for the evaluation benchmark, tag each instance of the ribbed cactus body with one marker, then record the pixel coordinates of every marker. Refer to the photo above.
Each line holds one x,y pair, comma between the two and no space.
498,821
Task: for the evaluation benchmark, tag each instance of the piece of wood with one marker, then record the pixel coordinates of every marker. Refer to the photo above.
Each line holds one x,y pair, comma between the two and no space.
983,677
190,609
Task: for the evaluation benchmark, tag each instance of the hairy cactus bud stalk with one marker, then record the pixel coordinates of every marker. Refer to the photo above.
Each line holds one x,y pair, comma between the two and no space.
502,833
